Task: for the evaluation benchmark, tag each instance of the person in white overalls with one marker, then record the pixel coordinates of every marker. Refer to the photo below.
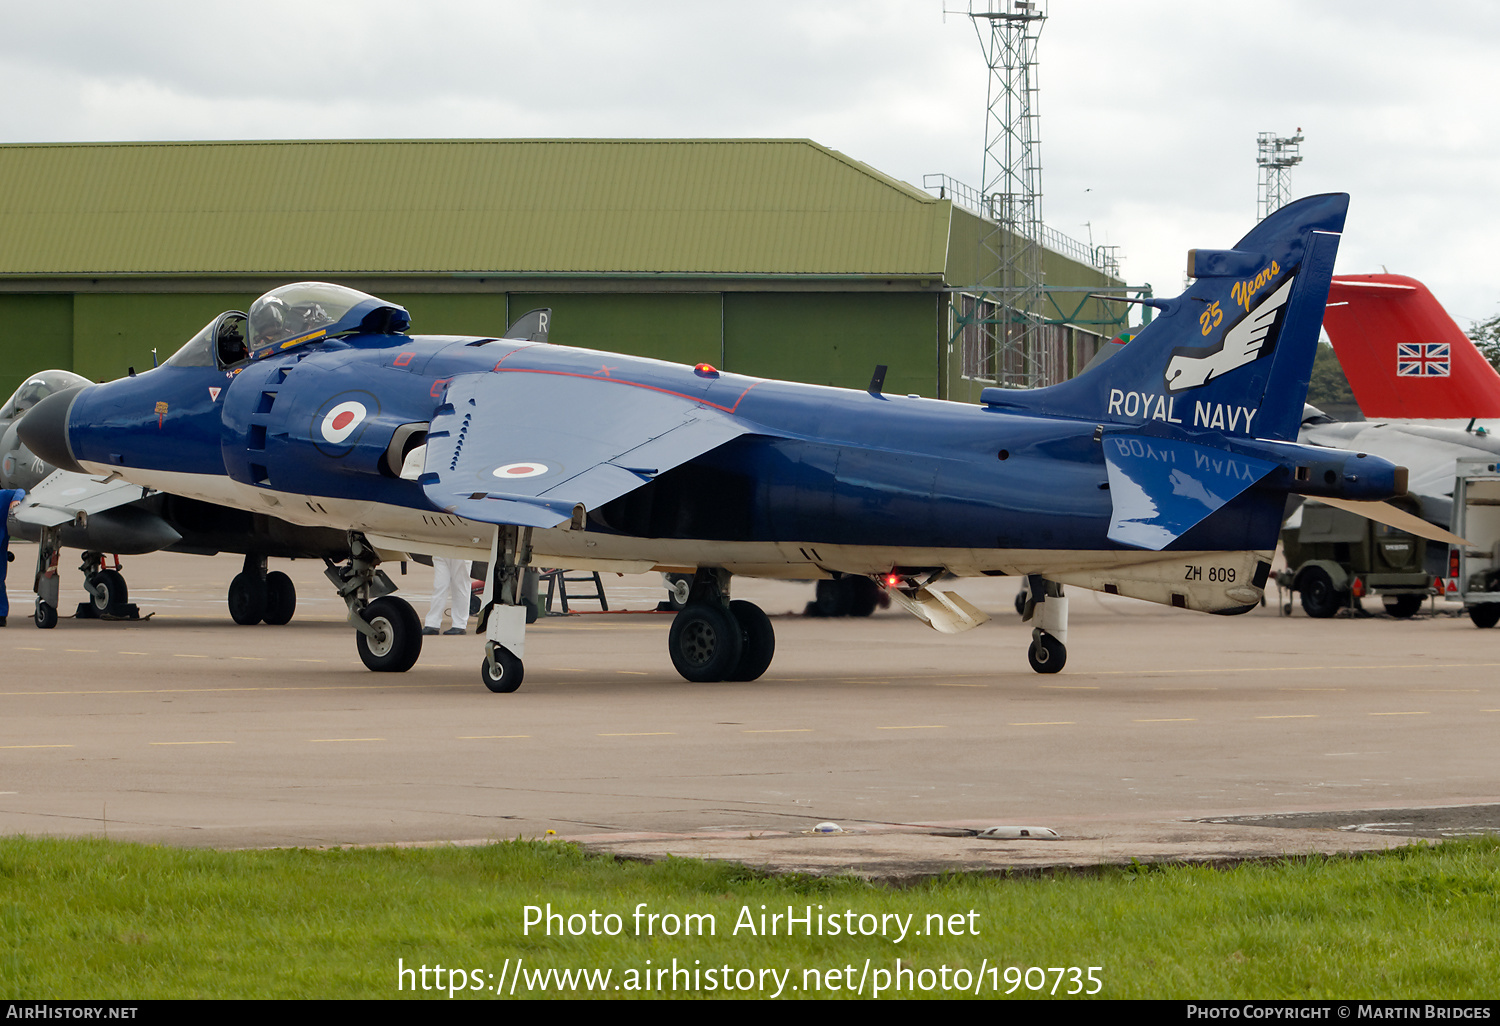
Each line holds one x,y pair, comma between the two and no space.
450,590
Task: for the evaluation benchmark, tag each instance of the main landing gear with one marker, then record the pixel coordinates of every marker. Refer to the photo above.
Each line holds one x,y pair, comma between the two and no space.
389,632
255,595
1046,604
714,639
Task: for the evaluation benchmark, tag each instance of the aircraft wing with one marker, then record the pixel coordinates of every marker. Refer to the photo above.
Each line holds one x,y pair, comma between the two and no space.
529,448
63,495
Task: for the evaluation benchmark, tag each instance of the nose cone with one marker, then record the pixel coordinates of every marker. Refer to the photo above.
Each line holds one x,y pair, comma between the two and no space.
44,429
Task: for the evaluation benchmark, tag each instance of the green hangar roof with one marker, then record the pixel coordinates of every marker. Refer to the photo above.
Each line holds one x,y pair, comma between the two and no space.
462,207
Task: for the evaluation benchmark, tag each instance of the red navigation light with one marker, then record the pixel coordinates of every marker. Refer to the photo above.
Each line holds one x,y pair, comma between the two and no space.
706,370
892,580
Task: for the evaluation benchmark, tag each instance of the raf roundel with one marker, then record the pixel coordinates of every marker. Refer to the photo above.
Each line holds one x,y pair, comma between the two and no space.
511,471
339,423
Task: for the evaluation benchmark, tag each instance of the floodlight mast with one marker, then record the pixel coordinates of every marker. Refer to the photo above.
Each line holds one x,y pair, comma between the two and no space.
1275,156
1010,244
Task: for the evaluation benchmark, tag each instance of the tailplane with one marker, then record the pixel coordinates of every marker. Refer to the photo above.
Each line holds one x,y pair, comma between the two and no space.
1402,353
1232,354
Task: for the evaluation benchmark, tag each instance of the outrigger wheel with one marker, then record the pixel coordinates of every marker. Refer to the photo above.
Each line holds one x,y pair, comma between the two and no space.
1047,608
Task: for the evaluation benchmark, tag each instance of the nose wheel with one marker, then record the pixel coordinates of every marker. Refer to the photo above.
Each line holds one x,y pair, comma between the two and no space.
396,641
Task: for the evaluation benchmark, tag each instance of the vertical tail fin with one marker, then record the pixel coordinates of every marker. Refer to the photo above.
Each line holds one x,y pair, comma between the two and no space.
1233,353
1402,353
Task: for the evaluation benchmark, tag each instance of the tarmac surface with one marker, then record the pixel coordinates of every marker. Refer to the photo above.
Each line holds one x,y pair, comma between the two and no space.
1168,736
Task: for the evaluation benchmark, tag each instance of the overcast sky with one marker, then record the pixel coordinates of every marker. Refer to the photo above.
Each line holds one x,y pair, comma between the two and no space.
1149,109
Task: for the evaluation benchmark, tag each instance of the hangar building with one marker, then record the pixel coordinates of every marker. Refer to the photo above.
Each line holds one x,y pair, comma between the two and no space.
778,257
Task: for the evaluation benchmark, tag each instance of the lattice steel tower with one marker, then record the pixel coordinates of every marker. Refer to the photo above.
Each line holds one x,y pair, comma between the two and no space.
1275,156
1010,246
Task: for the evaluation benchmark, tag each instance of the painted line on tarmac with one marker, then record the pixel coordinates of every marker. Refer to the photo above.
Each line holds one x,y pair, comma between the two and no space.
918,726
489,737
334,740
191,742
192,691
1045,723
1286,669
35,746
779,730
641,733
1172,719
1289,716
1423,712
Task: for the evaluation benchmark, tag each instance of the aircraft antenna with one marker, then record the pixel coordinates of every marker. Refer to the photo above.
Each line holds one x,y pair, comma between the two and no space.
1275,156
1010,244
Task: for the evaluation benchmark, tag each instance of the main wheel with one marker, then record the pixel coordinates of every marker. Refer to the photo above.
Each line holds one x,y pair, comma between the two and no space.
833,598
1320,599
1486,615
757,641
1047,654
281,598
398,640
45,615
507,675
1404,606
705,642
107,590
864,595
247,599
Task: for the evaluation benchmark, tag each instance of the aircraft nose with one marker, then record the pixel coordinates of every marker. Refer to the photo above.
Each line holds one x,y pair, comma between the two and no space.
44,429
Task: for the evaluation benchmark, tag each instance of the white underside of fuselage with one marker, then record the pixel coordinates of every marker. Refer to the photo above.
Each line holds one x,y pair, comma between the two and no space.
1207,581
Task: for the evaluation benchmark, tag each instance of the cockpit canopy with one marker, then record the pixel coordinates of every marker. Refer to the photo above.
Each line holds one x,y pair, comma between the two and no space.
38,387
286,317
295,314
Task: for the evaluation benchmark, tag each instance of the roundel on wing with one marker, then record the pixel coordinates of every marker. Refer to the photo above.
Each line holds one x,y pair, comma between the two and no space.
338,423
529,468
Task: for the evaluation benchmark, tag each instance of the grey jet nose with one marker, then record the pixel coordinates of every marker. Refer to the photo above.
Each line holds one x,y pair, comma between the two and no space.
44,429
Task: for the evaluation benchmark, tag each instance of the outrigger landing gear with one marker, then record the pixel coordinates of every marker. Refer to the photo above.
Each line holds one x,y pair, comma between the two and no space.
1049,638
255,595
389,635
503,616
49,546
714,639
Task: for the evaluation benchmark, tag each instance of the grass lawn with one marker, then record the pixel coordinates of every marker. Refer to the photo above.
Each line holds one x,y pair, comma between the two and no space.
99,919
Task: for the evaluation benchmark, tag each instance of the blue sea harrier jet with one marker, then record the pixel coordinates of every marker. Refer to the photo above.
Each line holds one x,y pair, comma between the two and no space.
1162,474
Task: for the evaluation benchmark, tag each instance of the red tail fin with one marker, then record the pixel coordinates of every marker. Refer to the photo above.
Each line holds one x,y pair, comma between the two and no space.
1402,353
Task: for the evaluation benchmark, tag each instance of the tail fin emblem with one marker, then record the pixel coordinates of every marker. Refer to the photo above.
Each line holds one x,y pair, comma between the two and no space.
1422,360
1243,343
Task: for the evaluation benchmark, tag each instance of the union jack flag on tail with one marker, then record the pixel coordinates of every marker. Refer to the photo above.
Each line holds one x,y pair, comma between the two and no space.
1422,360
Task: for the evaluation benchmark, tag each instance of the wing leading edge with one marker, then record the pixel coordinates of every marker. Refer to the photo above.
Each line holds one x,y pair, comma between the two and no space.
537,450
